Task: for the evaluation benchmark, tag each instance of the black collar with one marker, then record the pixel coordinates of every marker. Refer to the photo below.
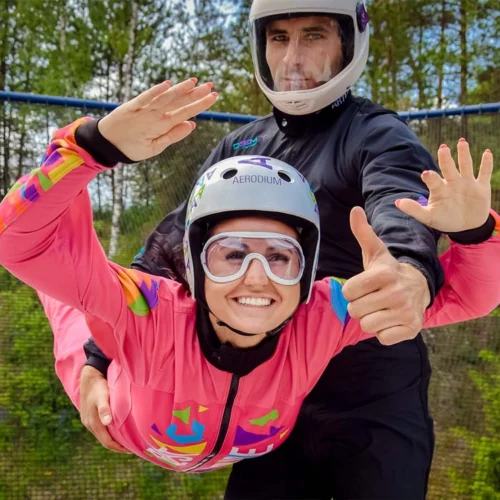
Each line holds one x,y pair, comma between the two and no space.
227,358
297,125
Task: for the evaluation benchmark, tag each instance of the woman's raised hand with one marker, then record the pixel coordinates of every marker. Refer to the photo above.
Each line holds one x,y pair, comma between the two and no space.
458,201
157,118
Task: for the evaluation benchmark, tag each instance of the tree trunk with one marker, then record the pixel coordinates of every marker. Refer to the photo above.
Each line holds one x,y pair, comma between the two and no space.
420,75
22,143
63,48
442,55
464,73
373,82
125,95
463,52
6,139
3,54
99,197
147,184
4,149
392,91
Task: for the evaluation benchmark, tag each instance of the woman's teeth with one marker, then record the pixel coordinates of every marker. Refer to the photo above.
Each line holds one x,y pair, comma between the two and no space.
247,301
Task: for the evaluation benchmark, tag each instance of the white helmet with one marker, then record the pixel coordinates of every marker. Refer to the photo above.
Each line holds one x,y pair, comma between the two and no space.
298,62
251,185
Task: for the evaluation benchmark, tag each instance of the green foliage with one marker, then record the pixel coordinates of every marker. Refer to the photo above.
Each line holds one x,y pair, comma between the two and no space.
29,391
483,483
39,424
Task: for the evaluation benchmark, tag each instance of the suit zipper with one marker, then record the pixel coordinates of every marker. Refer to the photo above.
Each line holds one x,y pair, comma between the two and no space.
224,426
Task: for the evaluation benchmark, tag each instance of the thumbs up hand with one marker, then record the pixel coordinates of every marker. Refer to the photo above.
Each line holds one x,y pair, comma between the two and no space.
373,248
388,297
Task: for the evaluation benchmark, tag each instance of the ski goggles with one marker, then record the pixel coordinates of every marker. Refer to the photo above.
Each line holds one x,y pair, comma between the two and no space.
226,256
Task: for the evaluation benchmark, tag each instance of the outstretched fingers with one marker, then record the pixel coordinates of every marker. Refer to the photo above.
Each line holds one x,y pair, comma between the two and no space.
191,110
486,168
190,97
177,125
413,208
447,164
465,160
176,134
149,95
432,180
168,100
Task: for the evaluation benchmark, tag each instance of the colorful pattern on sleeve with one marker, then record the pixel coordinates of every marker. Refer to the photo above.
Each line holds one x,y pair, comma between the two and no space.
140,289
59,160
496,231
337,300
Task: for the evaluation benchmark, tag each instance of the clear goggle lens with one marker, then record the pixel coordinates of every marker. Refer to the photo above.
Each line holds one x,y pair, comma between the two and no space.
226,256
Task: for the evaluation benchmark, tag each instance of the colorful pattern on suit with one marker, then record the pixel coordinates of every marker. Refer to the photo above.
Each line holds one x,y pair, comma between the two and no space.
57,162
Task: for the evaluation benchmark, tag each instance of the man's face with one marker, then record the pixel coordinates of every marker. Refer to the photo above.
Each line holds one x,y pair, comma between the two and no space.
303,52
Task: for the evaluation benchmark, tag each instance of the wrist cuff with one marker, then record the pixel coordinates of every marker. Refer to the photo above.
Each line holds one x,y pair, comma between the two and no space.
475,236
89,138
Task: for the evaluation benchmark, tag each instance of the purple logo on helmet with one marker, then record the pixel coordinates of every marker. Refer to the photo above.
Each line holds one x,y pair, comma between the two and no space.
259,161
362,16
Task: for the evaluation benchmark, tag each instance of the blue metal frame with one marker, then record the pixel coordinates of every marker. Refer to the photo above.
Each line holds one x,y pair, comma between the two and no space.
473,109
231,117
109,106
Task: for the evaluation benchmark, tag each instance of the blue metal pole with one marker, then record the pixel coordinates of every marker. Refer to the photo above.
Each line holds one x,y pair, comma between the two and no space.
231,117
473,109
56,101
108,106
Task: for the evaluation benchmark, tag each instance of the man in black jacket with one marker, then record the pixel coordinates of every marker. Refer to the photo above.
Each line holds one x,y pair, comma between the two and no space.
365,430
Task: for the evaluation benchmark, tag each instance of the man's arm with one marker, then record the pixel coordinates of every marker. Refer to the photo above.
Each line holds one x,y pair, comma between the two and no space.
392,160
391,300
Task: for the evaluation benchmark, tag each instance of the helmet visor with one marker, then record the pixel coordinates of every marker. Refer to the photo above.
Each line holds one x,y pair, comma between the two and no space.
226,256
301,52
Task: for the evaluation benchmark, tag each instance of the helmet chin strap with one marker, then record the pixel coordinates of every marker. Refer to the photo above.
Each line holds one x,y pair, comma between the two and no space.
239,332
270,333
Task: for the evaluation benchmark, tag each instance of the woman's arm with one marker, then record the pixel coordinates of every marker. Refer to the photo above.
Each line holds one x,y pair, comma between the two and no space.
46,232
49,241
47,238
472,281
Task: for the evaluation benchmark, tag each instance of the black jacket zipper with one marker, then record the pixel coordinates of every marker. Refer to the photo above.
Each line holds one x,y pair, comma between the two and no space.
226,418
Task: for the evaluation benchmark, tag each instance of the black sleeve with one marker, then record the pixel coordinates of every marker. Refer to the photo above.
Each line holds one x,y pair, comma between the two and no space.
95,357
391,160
151,259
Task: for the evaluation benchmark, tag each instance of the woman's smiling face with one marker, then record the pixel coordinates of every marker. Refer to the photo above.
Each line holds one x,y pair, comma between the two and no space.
253,303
